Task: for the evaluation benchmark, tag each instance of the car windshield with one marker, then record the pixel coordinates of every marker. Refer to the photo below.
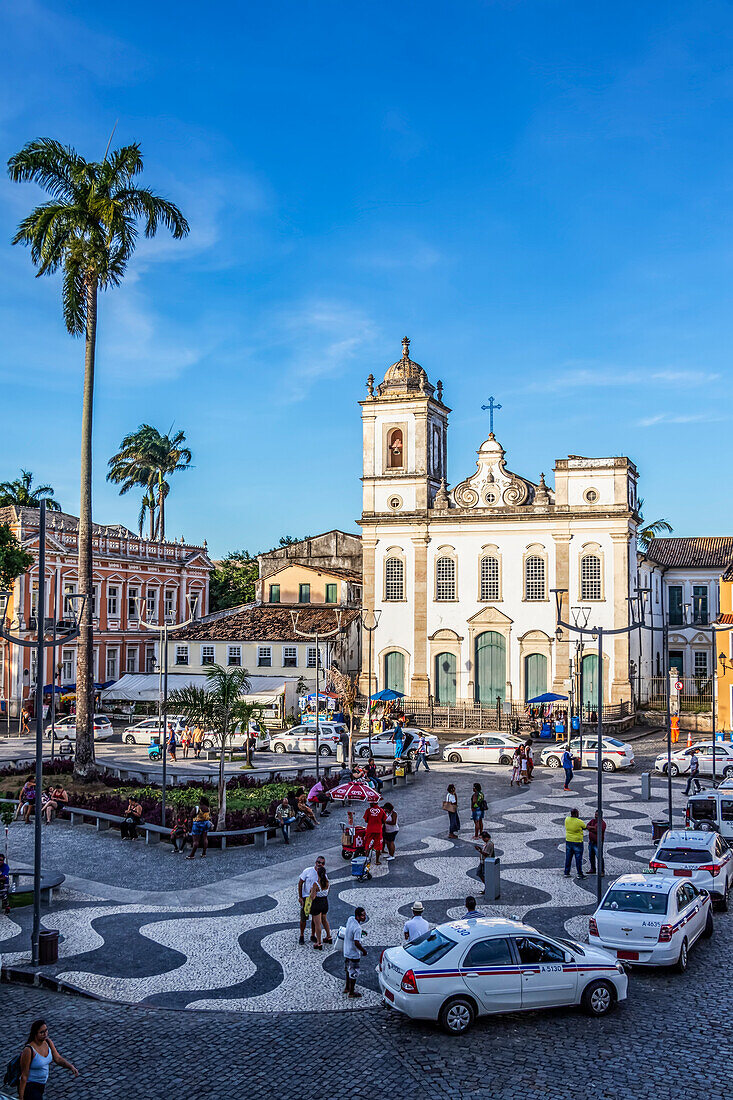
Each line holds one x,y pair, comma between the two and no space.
573,945
635,901
683,855
431,947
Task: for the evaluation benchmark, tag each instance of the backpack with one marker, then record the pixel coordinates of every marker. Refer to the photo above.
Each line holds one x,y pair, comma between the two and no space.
12,1072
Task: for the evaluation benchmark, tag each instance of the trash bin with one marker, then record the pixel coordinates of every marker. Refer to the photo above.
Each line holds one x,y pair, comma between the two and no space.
48,946
659,828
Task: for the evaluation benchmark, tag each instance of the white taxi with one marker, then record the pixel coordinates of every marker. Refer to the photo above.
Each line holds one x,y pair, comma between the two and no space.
679,763
486,748
476,967
705,858
651,920
614,753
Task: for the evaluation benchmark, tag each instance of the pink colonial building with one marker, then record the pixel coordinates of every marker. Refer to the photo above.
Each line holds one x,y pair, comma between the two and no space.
127,570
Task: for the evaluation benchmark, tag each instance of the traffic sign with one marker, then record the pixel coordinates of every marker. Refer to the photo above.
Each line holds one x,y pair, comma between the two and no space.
679,686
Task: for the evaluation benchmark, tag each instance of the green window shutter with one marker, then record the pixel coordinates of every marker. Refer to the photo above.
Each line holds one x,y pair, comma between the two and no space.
274,593
331,593
304,593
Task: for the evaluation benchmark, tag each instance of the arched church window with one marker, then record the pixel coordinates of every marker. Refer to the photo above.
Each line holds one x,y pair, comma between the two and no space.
590,577
489,578
445,579
534,578
395,449
394,579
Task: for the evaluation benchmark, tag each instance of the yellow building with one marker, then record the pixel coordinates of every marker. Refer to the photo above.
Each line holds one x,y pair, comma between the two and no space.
724,649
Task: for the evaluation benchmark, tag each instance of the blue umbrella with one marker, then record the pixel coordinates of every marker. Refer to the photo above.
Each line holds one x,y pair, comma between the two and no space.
386,695
53,687
548,697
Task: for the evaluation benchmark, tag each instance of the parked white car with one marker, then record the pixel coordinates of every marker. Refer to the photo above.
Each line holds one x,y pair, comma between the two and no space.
680,759
706,859
614,753
651,920
141,733
303,739
469,968
383,744
712,810
486,748
66,728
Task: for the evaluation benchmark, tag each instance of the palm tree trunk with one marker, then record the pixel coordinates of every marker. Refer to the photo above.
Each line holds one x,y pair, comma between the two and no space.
221,819
161,508
84,760
151,505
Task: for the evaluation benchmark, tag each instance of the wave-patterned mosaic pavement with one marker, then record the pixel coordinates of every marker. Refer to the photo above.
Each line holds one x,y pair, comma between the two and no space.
244,955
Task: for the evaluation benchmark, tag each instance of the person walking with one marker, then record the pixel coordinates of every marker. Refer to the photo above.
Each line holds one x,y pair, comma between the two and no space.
200,828
172,746
390,830
35,1062
186,741
416,926
530,759
284,818
574,842
593,844
198,742
478,809
309,876
319,909
354,950
450,805
694,776
421,755
567,763
516,776
375,817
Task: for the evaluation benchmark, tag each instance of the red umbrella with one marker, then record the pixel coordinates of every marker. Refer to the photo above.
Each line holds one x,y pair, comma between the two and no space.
354,792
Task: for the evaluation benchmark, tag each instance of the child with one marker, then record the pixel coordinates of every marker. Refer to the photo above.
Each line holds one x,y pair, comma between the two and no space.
179,833
200,829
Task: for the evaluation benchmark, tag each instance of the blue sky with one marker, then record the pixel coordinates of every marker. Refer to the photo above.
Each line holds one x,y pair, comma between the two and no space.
538,193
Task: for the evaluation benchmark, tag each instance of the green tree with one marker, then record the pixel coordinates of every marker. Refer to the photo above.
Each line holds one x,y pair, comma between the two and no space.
145,459
14,560
233,581
87,230
218,708
652,530
19,492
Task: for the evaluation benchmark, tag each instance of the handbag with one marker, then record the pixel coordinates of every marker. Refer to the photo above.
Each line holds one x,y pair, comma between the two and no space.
450,807
307,906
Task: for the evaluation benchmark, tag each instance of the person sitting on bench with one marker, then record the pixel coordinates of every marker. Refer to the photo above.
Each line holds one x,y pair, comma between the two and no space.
318,796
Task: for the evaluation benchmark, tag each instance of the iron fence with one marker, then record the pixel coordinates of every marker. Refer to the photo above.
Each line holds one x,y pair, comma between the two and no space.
696,695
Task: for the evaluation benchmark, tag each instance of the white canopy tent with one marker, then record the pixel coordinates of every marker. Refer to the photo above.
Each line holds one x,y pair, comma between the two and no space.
277,694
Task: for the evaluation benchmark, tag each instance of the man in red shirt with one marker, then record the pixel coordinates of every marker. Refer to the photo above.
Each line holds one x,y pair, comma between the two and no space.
375,818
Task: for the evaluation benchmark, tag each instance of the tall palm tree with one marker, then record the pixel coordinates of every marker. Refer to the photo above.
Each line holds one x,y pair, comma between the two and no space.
144,459
219,708
19,492
87,230
652,530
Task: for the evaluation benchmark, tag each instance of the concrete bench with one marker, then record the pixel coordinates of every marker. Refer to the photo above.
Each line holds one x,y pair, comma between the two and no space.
155,833
22,879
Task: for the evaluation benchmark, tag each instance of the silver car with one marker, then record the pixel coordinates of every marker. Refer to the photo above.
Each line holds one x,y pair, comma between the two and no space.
383,744
486,748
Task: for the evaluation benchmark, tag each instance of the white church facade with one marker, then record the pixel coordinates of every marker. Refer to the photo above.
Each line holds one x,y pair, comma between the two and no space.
462,580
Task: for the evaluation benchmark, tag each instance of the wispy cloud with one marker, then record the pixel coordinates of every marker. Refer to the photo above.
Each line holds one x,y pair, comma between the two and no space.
605,376
138,345
679,418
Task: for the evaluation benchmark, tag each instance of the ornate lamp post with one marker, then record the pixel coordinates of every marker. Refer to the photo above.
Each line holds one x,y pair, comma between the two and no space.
41,645
318,635
370,622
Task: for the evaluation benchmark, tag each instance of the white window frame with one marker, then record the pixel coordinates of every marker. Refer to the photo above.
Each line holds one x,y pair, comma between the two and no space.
234,651
152,596
67,605
133,595
150,658
113,652
290,652
169,602
207,649
591,586
310,660
181,653
68,657
394,579
706,672
131,659
489,586
264,656
113,601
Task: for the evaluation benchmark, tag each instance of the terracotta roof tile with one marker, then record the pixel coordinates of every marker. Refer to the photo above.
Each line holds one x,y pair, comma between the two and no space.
692,553
270,623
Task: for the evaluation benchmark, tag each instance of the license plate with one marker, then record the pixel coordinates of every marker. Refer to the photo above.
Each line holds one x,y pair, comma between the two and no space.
630,955
682,873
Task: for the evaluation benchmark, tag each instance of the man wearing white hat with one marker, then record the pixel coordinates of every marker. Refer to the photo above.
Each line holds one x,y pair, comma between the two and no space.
416,926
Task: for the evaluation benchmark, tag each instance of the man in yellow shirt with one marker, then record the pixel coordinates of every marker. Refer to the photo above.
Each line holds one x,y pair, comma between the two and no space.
574,843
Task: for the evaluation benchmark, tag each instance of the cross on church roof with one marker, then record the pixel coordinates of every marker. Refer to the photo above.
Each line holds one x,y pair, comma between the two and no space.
492,407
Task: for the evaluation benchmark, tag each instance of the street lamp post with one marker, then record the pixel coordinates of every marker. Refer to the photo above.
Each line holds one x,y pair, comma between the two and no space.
375,615
580,618
319,636
40,645
162,630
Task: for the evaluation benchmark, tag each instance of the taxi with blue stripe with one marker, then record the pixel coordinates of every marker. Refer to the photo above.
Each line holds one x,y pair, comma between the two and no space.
464,969
705,858
651,919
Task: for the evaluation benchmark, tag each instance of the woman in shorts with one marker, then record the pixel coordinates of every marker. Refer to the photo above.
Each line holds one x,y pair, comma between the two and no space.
319,909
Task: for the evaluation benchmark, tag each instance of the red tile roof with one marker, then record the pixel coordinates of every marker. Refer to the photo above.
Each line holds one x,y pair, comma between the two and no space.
269,623
692,553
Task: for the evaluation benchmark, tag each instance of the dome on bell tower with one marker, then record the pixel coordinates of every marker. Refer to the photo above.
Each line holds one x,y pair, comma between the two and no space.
405,377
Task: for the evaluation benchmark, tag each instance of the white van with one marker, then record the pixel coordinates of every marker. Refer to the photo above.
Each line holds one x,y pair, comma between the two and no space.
712,810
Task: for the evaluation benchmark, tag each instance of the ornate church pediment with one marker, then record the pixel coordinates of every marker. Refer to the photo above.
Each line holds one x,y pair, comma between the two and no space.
493,486
490,616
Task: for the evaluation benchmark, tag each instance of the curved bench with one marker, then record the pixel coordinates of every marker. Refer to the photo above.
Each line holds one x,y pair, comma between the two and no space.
50,881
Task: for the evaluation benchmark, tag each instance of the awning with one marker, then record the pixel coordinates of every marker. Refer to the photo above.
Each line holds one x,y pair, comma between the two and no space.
548,697
145,686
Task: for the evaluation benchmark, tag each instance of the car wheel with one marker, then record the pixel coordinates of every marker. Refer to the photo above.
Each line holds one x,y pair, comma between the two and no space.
608,766
364,752
207,744
553,762
709,926
324,751
278,747
454,758
728,772
129,739
682,961
674,771
505,760
599,998
457,1015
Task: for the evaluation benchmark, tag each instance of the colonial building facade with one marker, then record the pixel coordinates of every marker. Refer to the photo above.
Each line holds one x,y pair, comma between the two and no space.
129,573
462,580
